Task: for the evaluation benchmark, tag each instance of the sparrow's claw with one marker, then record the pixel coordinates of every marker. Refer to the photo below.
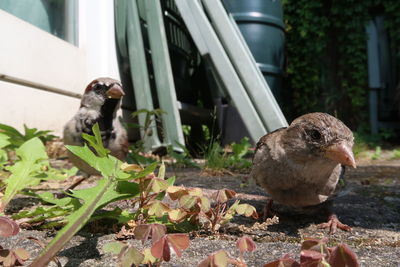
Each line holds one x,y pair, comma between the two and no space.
334,223
268,211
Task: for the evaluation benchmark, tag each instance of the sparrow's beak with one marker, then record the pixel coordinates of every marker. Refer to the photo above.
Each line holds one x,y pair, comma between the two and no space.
342,154
115,92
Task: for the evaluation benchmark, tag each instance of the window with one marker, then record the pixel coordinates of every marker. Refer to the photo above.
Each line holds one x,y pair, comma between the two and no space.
57,17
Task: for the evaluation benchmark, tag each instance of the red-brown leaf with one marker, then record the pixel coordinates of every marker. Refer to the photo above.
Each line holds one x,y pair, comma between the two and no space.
318,245
175,192
21,254
218,259
342,255
285,261
311,258
245,243
153,230
223,195
160,249
178,242
8,227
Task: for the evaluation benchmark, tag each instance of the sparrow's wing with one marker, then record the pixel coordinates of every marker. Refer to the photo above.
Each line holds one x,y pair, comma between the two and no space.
263,140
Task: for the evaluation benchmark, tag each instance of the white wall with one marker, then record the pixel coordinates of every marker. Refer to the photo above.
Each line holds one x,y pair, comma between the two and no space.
97,38
27,53
35,108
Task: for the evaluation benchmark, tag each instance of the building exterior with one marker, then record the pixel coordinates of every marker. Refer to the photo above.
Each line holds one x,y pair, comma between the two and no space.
50,50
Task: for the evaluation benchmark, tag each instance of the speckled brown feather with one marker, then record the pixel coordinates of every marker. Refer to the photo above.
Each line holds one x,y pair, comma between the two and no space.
291,166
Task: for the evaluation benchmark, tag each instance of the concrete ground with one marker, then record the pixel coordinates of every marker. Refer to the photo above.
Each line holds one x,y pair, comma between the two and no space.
370,205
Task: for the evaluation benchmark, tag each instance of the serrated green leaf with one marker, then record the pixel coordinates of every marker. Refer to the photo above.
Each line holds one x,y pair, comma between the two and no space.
96,141
30,153
41,214
77,220
15,137
105,165
113,193
61,202
4,140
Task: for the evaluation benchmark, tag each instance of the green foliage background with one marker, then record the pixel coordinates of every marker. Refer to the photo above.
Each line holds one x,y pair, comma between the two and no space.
327,55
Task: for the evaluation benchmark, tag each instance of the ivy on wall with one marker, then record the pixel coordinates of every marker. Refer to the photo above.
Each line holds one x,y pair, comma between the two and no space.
326,46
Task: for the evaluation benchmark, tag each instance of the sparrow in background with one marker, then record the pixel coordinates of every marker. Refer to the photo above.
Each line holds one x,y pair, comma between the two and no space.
100,103
300,166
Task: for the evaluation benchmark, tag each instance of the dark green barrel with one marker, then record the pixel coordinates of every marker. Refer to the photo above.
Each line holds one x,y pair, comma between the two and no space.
261,24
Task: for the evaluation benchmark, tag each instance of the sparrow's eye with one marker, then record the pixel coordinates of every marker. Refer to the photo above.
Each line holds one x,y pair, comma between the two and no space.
97,87
315,135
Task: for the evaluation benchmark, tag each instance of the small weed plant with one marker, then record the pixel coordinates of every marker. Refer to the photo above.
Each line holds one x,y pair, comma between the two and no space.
218,159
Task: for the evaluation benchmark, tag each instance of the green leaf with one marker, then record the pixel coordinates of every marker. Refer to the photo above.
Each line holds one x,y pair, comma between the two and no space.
105,165
61,202
161,171
114,247
55,214
114,193
241,149
106,191
246,210
170,181
187,201
177,215
4,140
33,132
156,185
96,141
30,154
77,220
132,256
122,216
55,174
136,175
157,208
149,259
15,137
